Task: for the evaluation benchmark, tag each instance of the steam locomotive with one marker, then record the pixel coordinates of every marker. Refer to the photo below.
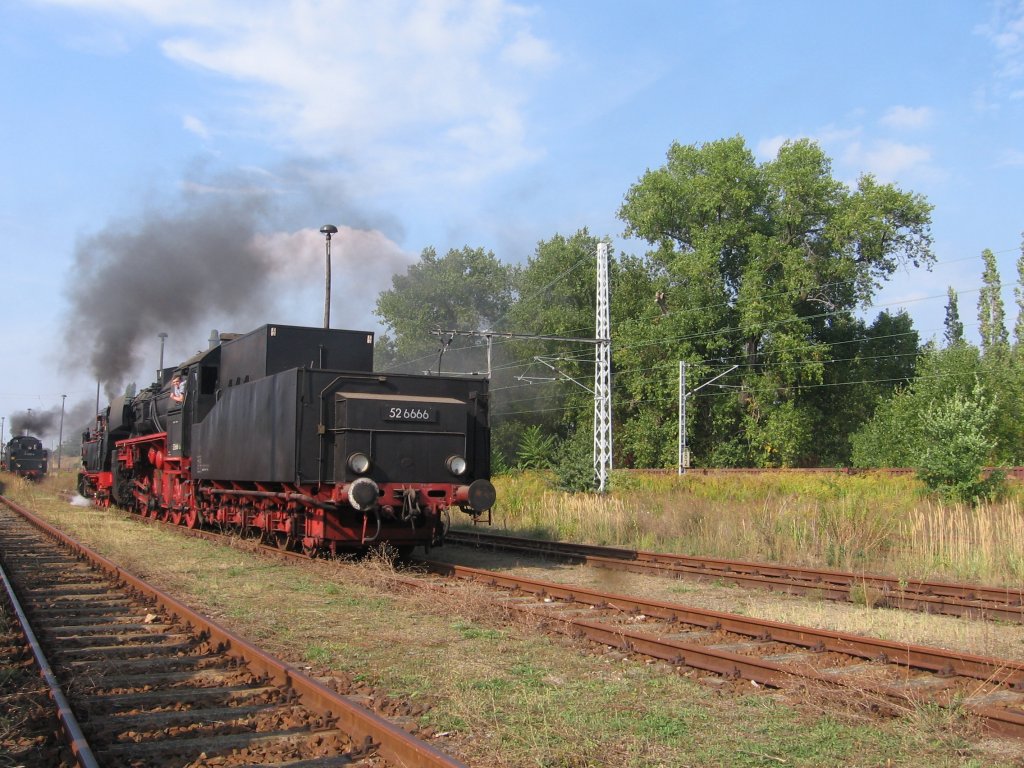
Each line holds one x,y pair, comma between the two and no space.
288,432
25,456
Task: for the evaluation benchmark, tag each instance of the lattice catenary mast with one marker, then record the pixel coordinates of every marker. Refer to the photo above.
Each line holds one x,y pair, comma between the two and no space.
603,376
602,368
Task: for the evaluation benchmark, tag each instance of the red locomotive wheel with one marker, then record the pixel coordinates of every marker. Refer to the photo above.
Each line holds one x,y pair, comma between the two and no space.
191,517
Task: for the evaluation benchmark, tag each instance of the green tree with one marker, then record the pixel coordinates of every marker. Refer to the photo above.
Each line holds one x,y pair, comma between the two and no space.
1018,293
991,314
869,364
885,440
759,264
467,289
536,450
893,437
952,386
954,328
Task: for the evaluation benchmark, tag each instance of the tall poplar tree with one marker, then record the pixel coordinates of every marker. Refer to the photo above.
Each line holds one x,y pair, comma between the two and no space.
991,313
954,332
1018,327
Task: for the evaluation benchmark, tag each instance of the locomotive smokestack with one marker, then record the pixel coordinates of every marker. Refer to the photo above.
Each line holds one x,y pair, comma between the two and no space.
160,370
214,338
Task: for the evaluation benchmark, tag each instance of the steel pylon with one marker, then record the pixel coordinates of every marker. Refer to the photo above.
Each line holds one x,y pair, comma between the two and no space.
603,376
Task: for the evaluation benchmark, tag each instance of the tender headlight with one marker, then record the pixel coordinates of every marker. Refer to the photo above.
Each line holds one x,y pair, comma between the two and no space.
457,465
359,463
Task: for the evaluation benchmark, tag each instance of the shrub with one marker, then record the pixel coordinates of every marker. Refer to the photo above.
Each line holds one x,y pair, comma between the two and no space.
535,449
956,448
574,468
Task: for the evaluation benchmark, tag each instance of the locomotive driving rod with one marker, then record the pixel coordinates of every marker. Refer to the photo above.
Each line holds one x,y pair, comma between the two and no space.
272,495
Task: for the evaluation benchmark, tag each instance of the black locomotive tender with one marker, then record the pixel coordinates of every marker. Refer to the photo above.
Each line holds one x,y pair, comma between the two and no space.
288,431
24,456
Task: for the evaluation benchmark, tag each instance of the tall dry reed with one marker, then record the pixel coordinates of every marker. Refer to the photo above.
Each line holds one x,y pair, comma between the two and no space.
867,523
983,543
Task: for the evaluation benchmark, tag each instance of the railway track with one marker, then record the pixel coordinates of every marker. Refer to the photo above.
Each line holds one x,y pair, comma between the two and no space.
966,600
138,679
735,647
767,652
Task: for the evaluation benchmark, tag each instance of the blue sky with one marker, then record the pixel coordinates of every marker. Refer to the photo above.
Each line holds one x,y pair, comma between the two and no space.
147,144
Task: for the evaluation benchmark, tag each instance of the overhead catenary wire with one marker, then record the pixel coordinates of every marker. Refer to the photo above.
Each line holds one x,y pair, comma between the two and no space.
728,303
843,312
671,399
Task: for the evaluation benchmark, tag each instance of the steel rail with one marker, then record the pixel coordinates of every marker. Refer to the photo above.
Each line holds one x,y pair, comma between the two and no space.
76,740
726,663
916,656
948,598
1001,672
393,743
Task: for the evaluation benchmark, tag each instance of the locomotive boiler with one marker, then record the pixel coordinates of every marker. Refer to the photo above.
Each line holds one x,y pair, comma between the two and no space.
24,456
288,432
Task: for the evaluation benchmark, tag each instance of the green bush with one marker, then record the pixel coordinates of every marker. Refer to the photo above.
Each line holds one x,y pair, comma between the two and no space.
535,449
574,467
956,448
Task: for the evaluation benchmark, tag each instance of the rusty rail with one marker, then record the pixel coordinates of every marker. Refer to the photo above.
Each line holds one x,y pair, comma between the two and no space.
395,745
1002,675
948,598
69,723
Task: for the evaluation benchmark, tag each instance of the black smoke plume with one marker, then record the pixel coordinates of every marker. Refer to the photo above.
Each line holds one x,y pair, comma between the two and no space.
170,270
45,424
36,423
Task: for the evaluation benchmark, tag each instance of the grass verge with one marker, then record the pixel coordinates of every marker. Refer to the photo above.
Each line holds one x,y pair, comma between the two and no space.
497,693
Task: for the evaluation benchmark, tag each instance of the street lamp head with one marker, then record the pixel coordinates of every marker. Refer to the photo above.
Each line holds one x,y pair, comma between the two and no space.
328,229
162,335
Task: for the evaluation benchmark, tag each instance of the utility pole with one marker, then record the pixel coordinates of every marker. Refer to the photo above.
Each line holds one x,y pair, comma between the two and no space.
603,376
684,454
60,440
327,230
602,370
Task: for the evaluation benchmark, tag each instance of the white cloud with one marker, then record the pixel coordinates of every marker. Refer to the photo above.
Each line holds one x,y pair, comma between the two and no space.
1005,30
768,149
194,125
888,160
529,52
907,118
367,80
1012,157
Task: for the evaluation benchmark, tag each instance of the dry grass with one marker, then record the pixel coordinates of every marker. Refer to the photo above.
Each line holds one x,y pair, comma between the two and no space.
868,523
495,692
973,544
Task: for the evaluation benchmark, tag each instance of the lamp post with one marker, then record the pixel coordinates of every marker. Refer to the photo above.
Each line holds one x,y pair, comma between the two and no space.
327,230
60,439
3,423
160,373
